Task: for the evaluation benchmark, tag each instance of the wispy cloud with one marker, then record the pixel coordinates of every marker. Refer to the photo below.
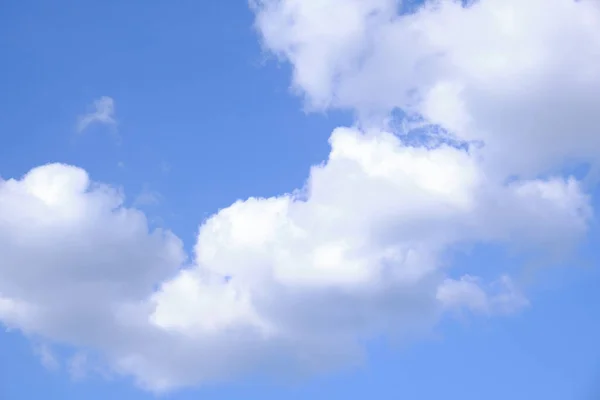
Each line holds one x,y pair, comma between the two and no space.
147,197
103,112
78,365
47,357
165,168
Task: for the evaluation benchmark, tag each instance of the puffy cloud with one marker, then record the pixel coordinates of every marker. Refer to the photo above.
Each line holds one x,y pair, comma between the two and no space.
295,283
299,278
359,250
103,113
72,257
517,75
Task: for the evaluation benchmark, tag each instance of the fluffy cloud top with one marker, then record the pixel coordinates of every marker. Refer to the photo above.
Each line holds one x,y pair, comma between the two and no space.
296,282
517,75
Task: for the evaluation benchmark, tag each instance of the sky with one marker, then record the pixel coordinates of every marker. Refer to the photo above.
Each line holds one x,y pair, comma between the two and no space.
329,199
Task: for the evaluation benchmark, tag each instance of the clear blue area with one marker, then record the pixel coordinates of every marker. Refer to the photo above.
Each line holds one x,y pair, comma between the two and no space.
206,119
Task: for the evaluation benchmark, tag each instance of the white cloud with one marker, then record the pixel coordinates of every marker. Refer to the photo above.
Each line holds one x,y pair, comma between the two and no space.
72,257
296,282
103,113
296,279
467,292
518,75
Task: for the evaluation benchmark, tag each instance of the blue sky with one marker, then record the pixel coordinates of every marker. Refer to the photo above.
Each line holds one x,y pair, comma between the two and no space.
184,100
206,116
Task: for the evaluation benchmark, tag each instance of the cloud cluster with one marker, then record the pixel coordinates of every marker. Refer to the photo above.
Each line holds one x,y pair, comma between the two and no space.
295,283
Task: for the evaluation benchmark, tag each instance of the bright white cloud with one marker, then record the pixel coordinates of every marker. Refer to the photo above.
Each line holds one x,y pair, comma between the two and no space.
518,75
296,279
103,113
72,257
296,282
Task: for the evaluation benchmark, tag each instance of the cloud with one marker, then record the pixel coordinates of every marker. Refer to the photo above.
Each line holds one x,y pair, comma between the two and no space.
77,366
147,197
73,257
103,113
165,167
294,280
47,358
295,283
517,75
467,292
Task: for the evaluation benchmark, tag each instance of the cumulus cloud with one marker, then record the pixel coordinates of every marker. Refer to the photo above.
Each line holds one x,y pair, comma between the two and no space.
72,257
103,113
517,75
295,283
294,280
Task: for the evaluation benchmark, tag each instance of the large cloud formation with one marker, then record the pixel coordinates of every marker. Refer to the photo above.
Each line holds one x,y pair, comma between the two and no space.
501,93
